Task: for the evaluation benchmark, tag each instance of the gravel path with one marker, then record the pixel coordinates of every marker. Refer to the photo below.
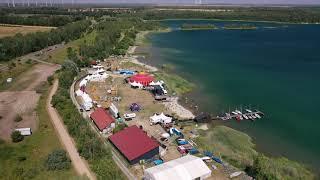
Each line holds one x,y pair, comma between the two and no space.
78,163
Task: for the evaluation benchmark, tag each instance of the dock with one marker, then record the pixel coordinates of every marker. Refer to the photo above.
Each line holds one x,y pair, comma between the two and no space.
238,115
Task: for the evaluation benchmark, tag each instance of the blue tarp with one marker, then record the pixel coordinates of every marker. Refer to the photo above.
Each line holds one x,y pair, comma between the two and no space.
208,153
158,161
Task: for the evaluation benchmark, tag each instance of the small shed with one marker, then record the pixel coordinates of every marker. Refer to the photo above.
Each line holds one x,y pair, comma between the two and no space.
103,120
24,131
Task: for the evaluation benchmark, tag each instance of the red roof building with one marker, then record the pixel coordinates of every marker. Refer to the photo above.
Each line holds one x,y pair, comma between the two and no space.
134,144
142,78
102,119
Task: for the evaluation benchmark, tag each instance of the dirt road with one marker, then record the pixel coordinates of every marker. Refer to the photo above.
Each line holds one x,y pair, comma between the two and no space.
78,163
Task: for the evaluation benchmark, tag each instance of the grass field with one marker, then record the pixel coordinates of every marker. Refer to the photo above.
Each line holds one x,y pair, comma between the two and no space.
58,56
175,83
16,68
35,149
9,30
233,146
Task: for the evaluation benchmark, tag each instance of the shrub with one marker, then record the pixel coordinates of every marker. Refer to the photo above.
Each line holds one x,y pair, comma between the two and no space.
57,160
16,136
50,80
21,158
29,61
18,118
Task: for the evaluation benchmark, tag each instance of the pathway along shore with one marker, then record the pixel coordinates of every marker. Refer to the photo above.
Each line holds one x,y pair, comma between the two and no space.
78,163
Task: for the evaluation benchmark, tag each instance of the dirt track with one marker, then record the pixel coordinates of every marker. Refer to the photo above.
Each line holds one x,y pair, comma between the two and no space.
79,164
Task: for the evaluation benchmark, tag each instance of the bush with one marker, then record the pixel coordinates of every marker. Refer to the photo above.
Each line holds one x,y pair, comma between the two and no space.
50,80
21,158
29,61
57,160
119,127
18,118
16,136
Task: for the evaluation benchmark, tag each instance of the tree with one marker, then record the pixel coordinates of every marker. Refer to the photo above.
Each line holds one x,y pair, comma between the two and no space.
57,160
16,136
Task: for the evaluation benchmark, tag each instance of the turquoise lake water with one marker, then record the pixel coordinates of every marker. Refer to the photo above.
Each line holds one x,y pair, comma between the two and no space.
275,68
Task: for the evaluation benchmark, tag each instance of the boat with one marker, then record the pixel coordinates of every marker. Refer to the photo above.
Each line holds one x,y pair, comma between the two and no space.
253,116
248,110
245,116
238,118
257,115
237,111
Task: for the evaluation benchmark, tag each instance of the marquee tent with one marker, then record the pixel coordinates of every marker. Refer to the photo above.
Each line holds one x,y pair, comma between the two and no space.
142,78
185,168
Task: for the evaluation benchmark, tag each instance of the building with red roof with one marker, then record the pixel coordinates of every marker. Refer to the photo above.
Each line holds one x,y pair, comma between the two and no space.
134,144
102,119
142,78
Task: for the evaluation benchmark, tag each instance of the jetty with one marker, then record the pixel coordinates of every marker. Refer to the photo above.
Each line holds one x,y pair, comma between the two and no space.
247,114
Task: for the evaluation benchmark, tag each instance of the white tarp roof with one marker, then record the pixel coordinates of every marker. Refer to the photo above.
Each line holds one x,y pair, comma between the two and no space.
185,168
160,118
79,92
135,84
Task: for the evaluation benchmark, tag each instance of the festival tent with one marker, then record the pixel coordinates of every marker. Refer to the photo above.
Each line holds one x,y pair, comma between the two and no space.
187,168
160,119
79,92
136,85
142,78
135,107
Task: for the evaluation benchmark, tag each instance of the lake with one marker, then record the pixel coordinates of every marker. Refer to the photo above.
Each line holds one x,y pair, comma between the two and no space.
275,69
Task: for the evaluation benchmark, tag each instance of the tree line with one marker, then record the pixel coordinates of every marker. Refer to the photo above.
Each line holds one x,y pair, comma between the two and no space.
291,15
39,20
114,36
18,45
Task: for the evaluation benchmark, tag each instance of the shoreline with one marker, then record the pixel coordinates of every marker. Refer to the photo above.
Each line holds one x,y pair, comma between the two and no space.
237,20
173,104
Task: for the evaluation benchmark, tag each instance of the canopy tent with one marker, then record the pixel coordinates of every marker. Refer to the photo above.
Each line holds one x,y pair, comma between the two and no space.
135,107
79,92
187,168
142,78
136,85
160,119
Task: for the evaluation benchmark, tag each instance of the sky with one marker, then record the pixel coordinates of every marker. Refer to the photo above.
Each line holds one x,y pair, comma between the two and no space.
185,1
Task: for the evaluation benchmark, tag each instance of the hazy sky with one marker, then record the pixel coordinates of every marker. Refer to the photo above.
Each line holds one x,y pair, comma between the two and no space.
185,1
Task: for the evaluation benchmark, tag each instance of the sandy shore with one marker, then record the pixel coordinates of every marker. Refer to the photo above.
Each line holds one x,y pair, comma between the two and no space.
172,103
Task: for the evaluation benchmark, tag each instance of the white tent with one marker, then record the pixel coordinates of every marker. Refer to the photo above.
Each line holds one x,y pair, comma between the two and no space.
83,82
185,168
114,110
135,84
160,119
79,92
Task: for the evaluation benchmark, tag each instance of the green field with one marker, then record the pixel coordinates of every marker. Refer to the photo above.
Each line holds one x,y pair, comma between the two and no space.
238,149
58,56
233,146
34,150
15,69
175,83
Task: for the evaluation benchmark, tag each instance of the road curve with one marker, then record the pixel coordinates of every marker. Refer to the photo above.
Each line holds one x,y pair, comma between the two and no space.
78,163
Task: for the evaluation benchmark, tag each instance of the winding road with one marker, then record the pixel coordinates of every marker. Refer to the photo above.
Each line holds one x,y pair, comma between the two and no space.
78,163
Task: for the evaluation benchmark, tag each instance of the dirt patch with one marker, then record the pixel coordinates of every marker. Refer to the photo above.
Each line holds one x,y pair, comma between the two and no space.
31,79
16,103
21,99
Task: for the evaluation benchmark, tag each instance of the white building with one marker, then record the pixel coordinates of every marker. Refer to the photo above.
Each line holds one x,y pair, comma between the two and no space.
185,168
